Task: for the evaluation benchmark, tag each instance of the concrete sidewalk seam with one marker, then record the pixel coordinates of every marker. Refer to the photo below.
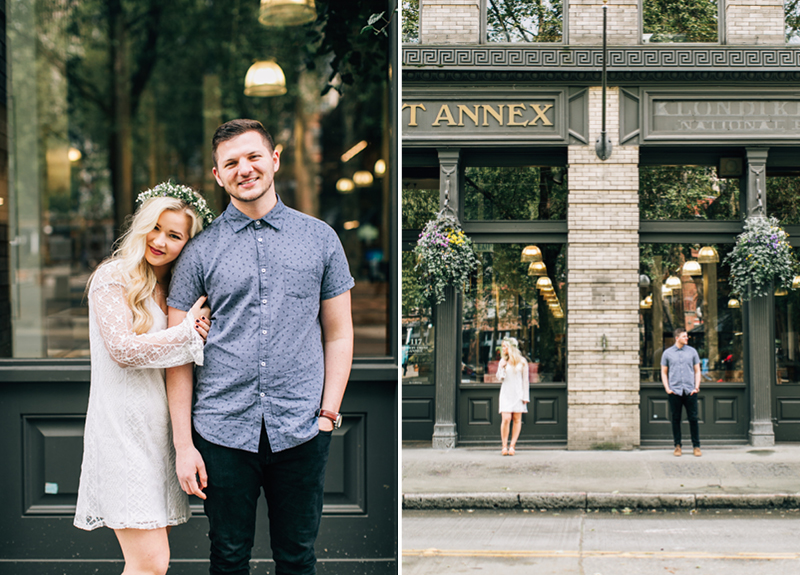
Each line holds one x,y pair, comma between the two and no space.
584,500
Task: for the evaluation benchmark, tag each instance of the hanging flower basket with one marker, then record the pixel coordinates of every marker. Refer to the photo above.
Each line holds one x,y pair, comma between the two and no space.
762,259
444,256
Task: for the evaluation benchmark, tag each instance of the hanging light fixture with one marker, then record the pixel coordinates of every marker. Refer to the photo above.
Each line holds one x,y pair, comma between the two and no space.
287,12
734,303
644,305
665,291
648,302
537,269
708,255
379,168
781,291
264,78
673,282
345,185
644,281
796,282
531,254
544,282
362,178
74,154
692,268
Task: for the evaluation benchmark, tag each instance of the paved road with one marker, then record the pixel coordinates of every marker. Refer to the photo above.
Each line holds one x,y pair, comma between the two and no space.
516,542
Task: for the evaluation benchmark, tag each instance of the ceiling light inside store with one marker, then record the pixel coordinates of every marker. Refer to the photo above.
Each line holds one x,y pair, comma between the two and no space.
264,78
74,154
537,269
345,185
380,168
781,291
665,291
734,303
673,282
531,254
362,178
795,281
708,255
287,12
351,153
644,304
692,268
544,282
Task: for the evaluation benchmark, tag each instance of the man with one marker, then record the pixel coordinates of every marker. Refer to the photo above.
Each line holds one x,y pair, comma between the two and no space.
680,374
277,360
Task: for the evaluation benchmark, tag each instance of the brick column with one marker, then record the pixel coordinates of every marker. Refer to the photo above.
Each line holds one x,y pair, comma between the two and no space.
603,300
586,22
754,22
449,21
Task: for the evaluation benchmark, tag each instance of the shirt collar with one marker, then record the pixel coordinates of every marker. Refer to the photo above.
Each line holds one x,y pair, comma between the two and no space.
274,218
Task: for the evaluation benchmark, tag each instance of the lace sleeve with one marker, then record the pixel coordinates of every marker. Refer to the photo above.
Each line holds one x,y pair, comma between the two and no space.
171,347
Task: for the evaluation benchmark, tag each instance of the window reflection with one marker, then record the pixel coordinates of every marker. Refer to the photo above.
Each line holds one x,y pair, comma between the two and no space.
782,194
104,104
787,337
420,197
679,21
682,286
515,193
687,193
417,328
503,300
523,20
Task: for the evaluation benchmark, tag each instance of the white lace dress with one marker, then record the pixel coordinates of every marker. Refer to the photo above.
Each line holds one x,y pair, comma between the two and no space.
515,388
128,477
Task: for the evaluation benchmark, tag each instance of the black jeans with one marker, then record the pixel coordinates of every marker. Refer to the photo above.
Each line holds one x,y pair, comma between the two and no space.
292,481
676,405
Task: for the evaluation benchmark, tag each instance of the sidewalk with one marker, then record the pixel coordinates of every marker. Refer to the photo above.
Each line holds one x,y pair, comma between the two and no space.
479,478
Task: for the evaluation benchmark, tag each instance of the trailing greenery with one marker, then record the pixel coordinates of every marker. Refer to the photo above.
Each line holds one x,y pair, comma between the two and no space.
523,20
445,257
410,21
686,193
761,259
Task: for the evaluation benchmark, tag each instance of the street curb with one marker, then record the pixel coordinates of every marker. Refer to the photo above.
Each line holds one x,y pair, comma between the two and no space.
583,500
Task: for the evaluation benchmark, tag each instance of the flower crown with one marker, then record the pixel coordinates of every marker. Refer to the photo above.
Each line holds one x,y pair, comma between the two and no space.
183,193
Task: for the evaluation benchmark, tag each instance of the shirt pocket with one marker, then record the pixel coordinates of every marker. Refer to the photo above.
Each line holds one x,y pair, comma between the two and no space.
301,282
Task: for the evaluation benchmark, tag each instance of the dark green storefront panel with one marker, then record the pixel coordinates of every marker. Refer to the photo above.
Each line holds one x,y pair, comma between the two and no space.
544,424
41,426
722,409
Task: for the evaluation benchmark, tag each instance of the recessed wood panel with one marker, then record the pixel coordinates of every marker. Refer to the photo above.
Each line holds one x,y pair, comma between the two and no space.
725,410
545,411
658,410
417,410
345,479
788,410
480,411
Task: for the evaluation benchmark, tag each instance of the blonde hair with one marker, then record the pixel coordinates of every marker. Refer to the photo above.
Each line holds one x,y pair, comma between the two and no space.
138,276
513,356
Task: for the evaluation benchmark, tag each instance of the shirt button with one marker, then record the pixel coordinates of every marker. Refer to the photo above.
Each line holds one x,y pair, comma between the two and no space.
259,239
263,364
263,270
263,394
263,301
264,331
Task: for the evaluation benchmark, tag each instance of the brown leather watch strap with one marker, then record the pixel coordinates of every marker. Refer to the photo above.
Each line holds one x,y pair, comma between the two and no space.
336,418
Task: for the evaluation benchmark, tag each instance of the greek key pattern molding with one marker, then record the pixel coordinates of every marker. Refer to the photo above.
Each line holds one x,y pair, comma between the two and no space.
632,58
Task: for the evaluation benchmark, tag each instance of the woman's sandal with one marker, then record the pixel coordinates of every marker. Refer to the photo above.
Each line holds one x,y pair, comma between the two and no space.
511,451
505,451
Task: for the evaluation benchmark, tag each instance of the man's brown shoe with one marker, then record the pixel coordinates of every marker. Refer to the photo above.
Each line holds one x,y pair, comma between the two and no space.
677,452
697,452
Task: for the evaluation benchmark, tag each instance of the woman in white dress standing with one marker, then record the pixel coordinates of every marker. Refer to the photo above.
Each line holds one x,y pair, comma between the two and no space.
128,481
514,392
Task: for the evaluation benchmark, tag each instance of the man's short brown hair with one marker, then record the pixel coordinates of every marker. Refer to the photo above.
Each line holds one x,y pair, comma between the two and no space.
234,128
677,332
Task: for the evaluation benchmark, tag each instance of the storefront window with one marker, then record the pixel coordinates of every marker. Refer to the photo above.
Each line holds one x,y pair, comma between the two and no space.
411,21
792,11
503,300
420,198
687,193
523,20
787,337
105,103
782,198
417,328
515,193
680,21
680,285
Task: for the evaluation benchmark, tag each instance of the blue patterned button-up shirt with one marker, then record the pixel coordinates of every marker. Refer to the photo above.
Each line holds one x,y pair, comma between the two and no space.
264,280
680,362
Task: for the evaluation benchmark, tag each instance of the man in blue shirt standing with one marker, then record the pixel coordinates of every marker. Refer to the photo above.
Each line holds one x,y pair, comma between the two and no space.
277,360
680,374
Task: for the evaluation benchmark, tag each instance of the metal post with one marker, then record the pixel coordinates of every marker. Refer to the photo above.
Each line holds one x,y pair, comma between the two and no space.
603,144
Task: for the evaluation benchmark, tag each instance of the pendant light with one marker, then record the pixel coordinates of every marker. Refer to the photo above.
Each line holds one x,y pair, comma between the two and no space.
287,12
673,282
531,254
708,255
692,268
537,269
544,282
264,78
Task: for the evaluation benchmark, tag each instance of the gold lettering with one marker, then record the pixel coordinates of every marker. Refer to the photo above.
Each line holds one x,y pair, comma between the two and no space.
444,114
462,109
413,107
540,115
497,115
513,112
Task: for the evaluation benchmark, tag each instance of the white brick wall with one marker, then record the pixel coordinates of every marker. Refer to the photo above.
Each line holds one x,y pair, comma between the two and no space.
586,22
754,21
603,257
449,21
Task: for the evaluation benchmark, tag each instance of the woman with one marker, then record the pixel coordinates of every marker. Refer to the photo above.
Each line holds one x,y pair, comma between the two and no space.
514,393
128,481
